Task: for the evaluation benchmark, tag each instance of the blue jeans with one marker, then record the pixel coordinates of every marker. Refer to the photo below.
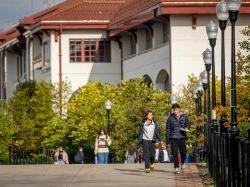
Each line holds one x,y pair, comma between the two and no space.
102,158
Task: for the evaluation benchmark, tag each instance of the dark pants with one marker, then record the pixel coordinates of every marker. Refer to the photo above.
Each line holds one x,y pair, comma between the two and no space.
148,153
181,145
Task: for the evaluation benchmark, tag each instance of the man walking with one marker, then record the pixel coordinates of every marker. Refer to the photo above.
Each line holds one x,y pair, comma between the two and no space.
177,128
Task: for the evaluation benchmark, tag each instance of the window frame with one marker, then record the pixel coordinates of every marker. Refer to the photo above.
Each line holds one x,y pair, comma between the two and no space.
49,54
90,55
148,40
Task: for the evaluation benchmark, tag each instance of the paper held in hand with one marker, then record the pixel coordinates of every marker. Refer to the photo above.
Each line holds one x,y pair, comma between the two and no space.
186,130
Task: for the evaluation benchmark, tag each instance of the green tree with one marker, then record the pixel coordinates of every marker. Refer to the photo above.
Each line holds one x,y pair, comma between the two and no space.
87,113
7,130
31,110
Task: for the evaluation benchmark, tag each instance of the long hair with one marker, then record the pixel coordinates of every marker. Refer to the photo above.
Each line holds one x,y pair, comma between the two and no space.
99,132
146,114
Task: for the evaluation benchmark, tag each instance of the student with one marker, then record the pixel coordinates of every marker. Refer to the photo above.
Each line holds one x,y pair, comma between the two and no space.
102,144
163,154
130,156
61,156
177,128
157,149
149,135
79,157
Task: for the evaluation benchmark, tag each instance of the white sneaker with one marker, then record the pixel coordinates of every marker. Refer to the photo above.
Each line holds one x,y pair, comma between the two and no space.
177,171
183,166
152,167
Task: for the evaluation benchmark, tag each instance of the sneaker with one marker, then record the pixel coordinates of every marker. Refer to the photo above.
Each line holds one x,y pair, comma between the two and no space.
183,166
177,171
147,170
152,167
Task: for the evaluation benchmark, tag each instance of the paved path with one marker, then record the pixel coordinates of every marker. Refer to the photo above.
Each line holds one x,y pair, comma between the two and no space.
112,175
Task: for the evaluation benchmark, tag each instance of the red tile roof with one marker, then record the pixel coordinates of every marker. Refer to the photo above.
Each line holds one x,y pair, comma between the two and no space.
8,35
79,10
137,6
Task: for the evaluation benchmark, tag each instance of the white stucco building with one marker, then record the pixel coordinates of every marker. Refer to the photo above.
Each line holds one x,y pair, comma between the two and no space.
113,40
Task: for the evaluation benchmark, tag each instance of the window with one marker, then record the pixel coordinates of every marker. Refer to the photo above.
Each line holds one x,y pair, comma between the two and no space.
46,54
149,41
37,52
132,45
19,67
75,51
90,51
165,32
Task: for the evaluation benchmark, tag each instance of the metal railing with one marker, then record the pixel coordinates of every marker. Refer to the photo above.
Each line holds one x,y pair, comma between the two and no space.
22,157
221,146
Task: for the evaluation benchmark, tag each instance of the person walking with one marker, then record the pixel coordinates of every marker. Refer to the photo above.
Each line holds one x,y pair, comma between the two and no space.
176,130
79,157
102,144
130,156
61,156
149,135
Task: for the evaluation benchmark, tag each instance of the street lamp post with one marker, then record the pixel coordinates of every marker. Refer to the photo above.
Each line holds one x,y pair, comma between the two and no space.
222,16
203,77
199,89
233,9
108,106
196,102
207,57
212,31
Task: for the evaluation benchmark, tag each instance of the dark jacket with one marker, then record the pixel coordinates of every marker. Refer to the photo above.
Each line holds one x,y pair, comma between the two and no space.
156,136
173,127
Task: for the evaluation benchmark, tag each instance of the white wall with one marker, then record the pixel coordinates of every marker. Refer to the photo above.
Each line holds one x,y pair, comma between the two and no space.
150,63
81,73
188,45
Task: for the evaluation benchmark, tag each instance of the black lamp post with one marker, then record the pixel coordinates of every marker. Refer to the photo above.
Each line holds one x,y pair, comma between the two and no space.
212,31
222,15
233,9
207,57
196,102
108,106
199,89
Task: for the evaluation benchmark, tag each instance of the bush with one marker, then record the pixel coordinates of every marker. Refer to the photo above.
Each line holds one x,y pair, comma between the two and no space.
42,159
243,129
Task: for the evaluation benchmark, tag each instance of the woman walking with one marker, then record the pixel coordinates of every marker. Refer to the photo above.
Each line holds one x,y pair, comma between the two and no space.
102,144
149,135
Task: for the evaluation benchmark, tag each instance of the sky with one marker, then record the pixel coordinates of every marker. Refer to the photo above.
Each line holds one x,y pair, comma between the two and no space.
13,10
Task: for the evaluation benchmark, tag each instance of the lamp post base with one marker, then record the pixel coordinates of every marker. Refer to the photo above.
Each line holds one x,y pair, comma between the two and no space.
234,156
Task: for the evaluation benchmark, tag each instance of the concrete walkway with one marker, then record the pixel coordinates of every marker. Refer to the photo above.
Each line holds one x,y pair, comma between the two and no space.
112,175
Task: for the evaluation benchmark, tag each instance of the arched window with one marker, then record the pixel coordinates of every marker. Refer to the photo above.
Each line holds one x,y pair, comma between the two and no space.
163,81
